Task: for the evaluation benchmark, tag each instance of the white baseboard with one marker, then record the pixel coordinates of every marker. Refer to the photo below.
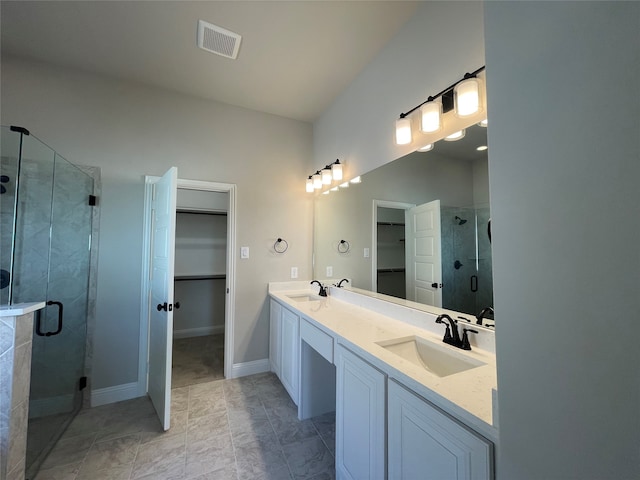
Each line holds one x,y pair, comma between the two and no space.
250,368
198,332
117,393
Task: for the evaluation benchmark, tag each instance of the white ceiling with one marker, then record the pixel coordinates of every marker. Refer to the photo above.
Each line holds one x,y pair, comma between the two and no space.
295,57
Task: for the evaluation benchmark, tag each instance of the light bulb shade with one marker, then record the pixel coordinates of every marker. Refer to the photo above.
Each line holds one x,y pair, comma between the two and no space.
426,148
455,136
466,96
431,117
403,131
336,171
326,176
309,185
317,181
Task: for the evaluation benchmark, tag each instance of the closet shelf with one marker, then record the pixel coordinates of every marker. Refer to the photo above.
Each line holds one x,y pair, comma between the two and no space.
180,278
391,270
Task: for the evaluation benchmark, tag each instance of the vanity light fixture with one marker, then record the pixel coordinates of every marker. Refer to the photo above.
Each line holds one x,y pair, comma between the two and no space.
454,136
317,181
431,116
326,176
403,130
467,101
466,96
484,123
426,148
336,170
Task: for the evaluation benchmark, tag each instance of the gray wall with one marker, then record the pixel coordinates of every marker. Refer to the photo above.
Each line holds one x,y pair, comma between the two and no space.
130,131
564,171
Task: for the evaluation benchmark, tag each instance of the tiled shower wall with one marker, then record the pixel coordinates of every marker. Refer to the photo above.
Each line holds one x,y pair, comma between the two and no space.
15,366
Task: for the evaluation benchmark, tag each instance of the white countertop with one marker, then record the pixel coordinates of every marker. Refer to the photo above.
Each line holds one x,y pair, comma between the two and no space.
466,395
20,309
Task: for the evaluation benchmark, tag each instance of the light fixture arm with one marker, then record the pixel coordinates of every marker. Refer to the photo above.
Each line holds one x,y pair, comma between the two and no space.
439,94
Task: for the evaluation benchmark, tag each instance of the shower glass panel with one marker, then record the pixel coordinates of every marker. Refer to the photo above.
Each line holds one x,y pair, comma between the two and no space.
466,259
46,241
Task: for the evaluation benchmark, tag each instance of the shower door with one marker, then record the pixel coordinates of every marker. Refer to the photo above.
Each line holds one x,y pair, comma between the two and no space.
51,263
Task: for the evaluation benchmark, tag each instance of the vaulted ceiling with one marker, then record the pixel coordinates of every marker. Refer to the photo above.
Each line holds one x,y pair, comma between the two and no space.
295,56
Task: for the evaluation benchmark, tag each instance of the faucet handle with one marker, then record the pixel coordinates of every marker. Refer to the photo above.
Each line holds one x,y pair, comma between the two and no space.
465,338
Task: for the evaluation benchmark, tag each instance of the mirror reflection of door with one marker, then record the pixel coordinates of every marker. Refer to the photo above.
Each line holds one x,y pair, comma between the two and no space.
423,254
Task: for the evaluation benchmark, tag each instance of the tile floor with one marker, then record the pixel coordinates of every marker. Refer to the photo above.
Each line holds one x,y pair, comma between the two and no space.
197,360
238,429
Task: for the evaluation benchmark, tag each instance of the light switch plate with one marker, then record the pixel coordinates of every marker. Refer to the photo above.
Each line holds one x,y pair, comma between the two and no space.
366,253
329,272
244,252
294,272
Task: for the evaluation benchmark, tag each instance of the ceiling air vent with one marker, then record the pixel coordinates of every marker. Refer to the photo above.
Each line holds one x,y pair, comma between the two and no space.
218,40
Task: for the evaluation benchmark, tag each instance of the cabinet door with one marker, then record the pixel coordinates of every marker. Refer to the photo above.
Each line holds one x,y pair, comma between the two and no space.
425,443
275,351
360,418
290,359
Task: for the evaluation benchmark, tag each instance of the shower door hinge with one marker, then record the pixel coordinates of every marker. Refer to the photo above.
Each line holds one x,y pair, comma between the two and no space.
82,383
93,200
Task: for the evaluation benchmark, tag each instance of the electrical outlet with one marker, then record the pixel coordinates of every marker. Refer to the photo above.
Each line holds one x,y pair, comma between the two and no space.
244,252
329,272
294,272
366,253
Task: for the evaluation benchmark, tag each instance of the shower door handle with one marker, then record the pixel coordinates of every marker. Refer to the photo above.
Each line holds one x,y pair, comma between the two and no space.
60,316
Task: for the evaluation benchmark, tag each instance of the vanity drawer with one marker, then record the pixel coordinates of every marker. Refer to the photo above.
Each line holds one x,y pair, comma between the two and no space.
320,341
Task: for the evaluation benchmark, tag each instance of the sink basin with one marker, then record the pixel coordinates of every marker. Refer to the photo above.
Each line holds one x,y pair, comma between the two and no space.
433,357
306,297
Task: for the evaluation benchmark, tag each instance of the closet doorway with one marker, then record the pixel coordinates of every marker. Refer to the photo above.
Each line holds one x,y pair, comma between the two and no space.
200,284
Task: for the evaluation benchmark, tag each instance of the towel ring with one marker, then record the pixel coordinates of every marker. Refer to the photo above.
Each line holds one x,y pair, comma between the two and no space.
281,245
343,246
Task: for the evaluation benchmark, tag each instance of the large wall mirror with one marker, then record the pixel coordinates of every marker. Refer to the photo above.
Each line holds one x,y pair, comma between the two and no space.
415,228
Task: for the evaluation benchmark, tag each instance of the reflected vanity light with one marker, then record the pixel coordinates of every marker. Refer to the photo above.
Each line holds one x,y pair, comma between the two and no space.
344,185
482,148
356,179
326,193
455,136
334,189
467,101
426,148
484,123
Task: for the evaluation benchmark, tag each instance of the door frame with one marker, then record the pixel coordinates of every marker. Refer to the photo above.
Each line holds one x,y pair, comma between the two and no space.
229,320
374,234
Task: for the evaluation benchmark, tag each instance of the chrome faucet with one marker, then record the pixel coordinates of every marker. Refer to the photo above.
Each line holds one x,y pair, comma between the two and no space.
323,290
481,315
339,285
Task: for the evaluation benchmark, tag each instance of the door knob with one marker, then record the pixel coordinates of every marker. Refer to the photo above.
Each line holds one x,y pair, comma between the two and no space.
162,306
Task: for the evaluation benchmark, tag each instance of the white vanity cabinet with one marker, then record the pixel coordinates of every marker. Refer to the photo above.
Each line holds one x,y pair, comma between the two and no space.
426,443
275,352
284,342
360,418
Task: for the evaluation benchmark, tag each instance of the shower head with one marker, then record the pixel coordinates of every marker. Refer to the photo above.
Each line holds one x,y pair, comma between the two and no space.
461,221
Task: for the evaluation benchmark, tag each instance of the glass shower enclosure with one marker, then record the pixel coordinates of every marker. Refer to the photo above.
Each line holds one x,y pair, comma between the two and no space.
45,243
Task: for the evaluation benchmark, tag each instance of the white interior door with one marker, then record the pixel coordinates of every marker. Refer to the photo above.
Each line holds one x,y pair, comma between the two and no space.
161,304
424,261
